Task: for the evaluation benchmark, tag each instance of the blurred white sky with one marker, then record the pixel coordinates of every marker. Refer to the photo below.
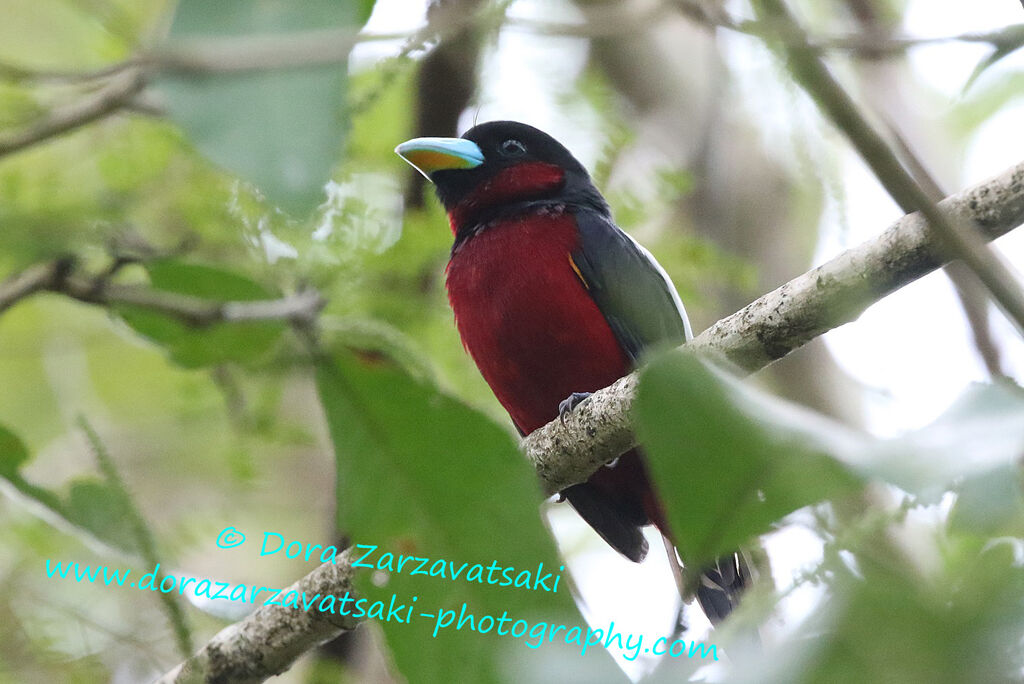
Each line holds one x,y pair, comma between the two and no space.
912,351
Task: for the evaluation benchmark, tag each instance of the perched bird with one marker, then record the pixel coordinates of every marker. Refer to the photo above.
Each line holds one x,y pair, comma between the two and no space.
553,301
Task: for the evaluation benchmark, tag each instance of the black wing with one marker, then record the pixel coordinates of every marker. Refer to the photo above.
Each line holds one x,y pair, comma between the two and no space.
629,286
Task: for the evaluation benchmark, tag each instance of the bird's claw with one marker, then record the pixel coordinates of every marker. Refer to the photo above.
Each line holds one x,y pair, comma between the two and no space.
567,405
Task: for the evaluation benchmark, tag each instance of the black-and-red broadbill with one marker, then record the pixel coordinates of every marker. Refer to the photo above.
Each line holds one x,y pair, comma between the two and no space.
553,301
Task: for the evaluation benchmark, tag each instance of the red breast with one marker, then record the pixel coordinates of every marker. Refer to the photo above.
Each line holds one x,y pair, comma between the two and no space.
526,319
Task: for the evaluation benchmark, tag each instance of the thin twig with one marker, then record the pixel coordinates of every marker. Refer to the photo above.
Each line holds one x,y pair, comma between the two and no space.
714,16
34,279
111,97
973,295
198,312
142,534
961,241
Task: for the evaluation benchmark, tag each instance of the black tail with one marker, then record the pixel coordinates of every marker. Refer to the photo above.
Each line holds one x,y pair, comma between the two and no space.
718,592
619,524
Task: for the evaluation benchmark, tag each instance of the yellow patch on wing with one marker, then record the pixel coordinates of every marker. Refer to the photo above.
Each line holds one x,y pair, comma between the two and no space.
578,274
431,160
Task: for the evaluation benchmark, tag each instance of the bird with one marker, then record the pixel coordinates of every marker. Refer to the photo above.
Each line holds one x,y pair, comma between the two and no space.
553,301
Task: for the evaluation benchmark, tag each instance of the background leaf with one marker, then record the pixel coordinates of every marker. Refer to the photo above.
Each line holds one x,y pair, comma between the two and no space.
13,452
1005,43
194,347
90,505
980,434
281,129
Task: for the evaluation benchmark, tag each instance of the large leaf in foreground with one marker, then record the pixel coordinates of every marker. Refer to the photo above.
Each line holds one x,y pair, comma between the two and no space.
729,461
280,129
420,474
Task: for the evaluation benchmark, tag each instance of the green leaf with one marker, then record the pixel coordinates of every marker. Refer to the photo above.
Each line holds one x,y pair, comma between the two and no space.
90,505
97,507
1005,43
13,453
728,460
420,474
981,433
364,8
280,129
889,625
195,347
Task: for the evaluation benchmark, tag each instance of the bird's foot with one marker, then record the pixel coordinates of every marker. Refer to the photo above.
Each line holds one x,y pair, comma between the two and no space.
567,405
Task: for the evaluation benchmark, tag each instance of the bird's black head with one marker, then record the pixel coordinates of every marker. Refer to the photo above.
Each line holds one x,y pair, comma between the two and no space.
500,165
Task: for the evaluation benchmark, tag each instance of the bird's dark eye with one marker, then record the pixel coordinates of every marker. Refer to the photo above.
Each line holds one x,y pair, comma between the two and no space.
512,148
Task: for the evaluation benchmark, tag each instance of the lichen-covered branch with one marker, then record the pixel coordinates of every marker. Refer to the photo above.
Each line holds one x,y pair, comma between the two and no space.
767,329
268,641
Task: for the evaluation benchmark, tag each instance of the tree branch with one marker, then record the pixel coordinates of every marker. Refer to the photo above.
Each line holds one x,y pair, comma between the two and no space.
59,277
112,96
223,55
268,641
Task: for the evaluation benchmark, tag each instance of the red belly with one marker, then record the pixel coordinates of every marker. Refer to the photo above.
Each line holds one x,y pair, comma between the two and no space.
526,318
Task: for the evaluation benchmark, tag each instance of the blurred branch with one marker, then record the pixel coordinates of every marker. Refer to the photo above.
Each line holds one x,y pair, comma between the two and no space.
111,97
59,277
268,641
225,55
331,46
828,296
960,240
612,19
714,16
